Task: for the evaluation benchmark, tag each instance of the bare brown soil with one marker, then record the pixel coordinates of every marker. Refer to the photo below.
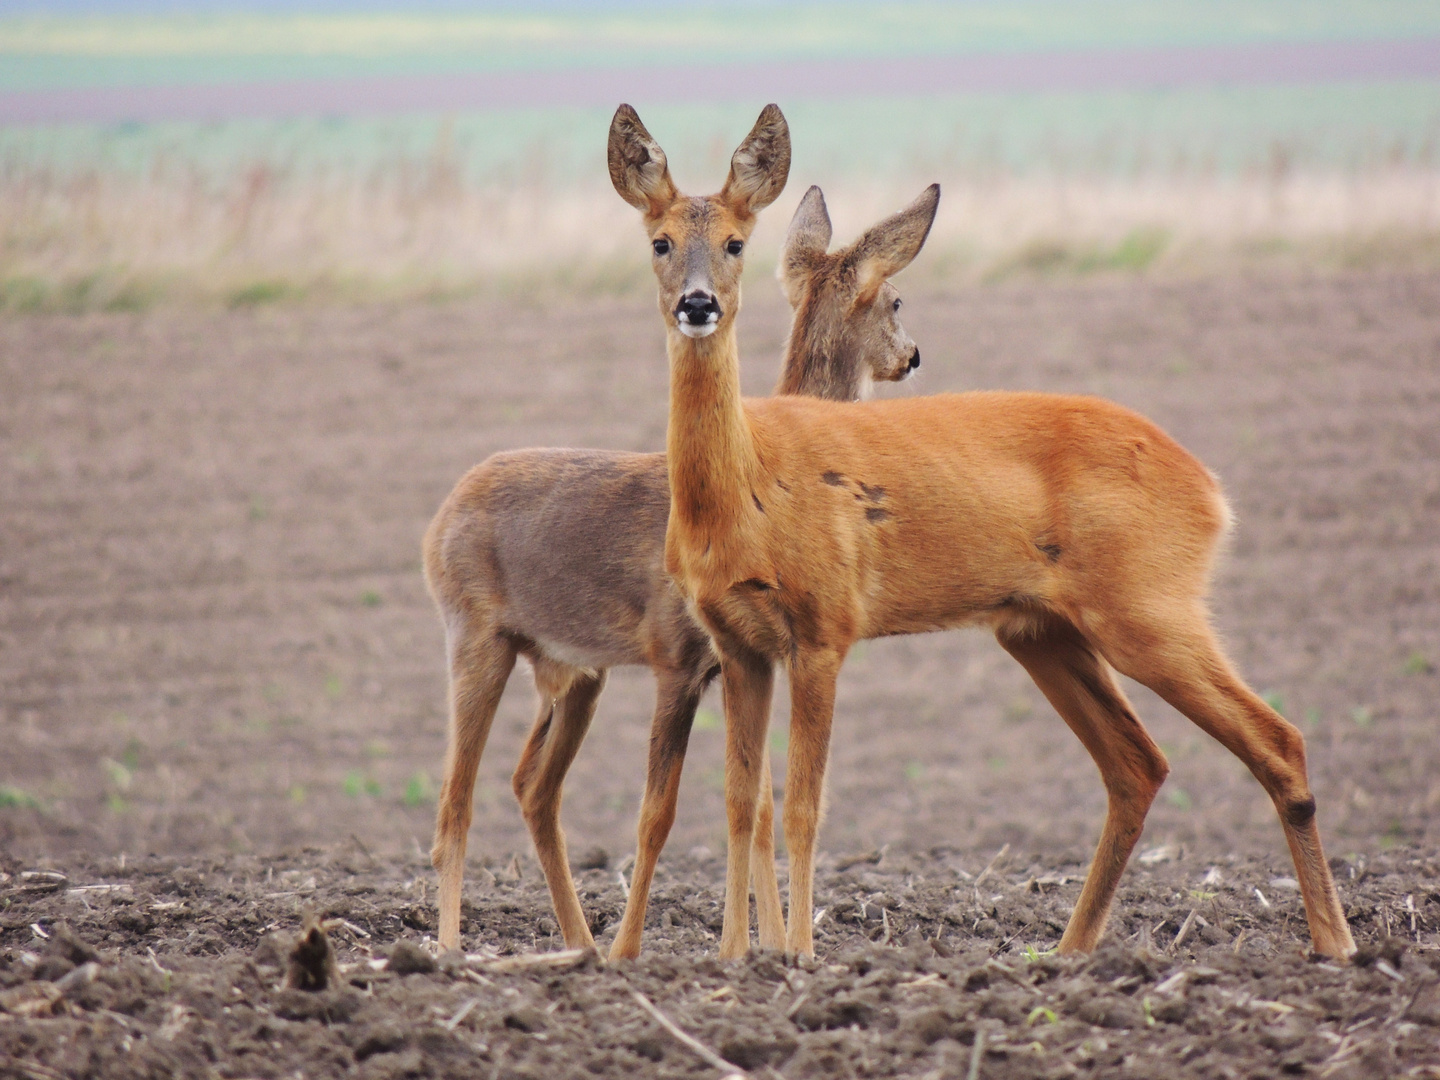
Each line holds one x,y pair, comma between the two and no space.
221,699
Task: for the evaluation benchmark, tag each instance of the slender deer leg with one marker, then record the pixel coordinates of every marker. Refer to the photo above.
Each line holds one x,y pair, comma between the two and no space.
676,698
748,680
480,663
812,709
769,914
1184,664
539,781
1082,688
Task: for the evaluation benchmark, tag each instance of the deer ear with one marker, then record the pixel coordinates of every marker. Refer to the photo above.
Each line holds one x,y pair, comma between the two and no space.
889,247
807,239
760,165
637,165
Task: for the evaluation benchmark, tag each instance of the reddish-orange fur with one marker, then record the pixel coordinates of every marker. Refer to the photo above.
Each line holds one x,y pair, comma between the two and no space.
1078,532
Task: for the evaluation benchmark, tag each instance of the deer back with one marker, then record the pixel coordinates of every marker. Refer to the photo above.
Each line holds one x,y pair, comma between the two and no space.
918,514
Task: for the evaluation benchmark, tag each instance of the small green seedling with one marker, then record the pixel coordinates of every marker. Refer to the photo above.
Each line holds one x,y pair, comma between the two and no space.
419,791
1178,798
370,598
16,797
1363,716
708,720
1040,1012
118,774
1274,700
1417,664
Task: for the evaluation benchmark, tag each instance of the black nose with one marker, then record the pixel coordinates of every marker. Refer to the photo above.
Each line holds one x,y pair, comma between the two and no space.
697,307
915,359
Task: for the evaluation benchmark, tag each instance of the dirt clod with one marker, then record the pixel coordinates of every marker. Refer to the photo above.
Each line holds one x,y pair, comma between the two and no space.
407,958
312,960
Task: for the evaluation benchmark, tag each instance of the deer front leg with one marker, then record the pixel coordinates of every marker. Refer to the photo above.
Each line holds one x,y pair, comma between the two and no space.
769,915
747,681
812,710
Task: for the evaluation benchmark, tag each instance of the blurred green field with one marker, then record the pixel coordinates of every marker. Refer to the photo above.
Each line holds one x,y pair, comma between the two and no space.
250,211
1349,128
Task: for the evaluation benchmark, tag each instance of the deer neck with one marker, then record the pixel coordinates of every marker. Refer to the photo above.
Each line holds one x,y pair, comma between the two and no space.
711,453
815,364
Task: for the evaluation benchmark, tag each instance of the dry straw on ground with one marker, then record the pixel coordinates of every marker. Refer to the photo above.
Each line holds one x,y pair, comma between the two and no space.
107,239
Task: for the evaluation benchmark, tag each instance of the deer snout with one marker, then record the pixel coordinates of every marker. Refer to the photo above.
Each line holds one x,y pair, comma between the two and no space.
915,358
697,313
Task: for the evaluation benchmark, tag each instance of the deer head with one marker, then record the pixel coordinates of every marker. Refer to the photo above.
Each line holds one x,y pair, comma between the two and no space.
847,313
699,242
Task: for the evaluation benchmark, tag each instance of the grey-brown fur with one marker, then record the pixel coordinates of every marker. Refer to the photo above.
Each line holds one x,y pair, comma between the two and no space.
558,556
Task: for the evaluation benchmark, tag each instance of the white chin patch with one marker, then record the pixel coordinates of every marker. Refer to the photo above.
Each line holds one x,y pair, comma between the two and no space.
690,330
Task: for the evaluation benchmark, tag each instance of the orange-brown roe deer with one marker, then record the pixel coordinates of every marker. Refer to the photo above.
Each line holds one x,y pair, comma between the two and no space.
1076,530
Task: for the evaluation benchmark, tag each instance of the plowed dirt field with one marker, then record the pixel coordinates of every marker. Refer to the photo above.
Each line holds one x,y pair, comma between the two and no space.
222,703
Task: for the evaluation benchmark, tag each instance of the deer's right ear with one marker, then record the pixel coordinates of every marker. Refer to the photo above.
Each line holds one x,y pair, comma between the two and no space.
809,237
637,165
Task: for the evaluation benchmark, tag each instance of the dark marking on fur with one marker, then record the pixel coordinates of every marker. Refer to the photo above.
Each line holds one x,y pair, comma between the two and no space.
758,504
781,484
1052,551
874,494
834,479
756,583
875,515
1300,812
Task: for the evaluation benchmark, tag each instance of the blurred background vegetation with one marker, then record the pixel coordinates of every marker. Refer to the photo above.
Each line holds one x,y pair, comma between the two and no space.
259,204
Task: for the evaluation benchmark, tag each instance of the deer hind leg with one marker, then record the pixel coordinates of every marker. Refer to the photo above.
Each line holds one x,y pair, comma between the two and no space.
748,680
677,696
1081,687
1184,664
769,914
480,664
567,705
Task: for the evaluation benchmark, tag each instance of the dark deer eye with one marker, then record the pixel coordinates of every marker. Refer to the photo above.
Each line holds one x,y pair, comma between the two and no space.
662,247
734,247
896,306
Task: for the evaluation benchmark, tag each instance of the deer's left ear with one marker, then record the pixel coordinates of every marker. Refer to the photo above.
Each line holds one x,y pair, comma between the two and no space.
760,165
889,247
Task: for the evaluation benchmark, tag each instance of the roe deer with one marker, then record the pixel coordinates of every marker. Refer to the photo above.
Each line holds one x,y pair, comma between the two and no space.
557,555
1077,531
